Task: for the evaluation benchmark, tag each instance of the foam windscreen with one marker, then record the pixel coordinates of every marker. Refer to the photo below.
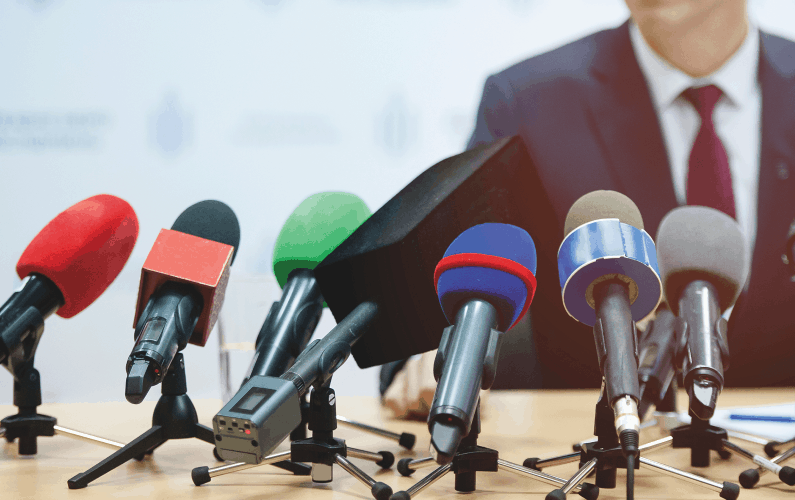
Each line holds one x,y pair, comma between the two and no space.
211,220
701,243
83,249
602,205
492,262
315,228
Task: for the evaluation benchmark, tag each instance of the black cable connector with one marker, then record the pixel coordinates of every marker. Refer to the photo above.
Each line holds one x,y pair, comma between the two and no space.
629,445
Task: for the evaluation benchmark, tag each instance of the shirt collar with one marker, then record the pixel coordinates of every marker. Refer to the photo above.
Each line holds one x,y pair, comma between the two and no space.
737,78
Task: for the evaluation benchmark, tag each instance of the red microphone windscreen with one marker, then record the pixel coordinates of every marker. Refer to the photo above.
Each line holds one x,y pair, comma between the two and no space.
185,258
83,249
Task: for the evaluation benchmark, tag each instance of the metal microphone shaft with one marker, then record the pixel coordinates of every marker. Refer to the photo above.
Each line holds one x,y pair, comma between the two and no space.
288,326
703,364
466,346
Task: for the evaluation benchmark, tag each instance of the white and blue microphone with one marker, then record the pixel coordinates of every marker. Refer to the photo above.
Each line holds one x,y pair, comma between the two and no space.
608,271
485,284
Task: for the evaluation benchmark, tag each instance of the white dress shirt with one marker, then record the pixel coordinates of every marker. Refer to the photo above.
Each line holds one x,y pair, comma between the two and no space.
737,119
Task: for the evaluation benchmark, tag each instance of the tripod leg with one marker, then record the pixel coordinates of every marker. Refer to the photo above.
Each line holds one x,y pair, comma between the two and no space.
71,433
771,448
380,491
405,439
540,463
423,483
585,490
750,477
201,475
727,490
149,439
205,434
656,445
576,479
407,466
383,459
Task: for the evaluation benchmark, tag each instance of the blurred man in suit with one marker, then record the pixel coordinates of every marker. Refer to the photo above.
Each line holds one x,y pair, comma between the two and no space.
686,103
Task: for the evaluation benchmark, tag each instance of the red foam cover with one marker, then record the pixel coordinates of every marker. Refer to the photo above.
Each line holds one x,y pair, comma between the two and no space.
185,258
83,249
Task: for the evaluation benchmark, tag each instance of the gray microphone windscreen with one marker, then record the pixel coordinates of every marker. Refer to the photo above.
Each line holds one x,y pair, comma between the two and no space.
602,205
701,243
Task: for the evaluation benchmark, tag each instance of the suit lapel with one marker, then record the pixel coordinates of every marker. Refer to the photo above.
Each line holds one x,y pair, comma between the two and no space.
624,119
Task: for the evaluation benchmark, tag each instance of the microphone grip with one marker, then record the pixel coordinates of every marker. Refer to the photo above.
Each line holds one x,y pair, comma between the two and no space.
658,349
324,356
615,336
460,382
163,329
707,351
472,345
289,325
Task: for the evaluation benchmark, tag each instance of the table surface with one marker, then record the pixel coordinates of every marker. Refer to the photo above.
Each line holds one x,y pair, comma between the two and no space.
519,424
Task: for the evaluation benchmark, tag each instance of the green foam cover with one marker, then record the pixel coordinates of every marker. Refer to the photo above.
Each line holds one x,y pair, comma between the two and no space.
319,224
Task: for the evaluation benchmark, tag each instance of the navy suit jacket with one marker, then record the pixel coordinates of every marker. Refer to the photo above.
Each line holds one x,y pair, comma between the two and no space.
587,119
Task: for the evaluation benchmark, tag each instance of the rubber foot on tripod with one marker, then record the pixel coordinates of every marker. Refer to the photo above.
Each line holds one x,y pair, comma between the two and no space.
576,447
770,449
730,491
387,461
76,482
407,440
531,463
787,475
589,491
200,475
555,495
216,455
400,495
381,491
749,478
725,455
404,469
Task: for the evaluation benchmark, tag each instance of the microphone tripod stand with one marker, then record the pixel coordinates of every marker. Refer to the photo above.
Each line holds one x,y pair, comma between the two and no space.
605,456
174,418
28,425
322,450
471,459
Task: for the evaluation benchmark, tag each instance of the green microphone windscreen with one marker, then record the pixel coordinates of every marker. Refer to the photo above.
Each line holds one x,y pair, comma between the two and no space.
319,224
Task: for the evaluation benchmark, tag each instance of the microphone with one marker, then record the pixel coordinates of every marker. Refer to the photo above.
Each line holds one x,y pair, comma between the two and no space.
608,273
704,263
181,291
485,283
65,268
657,367
315,228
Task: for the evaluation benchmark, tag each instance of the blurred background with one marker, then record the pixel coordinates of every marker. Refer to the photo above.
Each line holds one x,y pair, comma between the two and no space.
257,103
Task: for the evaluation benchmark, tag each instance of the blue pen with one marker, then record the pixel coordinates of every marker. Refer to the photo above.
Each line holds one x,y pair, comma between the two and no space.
764,418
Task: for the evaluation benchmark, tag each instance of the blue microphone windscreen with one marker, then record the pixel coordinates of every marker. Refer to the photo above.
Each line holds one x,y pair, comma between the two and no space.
505,287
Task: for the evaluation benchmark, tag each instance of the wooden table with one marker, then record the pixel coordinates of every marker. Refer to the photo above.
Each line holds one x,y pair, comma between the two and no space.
519,424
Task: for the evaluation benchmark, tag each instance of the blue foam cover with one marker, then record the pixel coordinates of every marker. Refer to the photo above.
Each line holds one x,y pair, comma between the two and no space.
507,293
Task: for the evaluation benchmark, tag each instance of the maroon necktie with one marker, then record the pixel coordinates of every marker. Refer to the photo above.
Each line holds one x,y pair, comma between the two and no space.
709,180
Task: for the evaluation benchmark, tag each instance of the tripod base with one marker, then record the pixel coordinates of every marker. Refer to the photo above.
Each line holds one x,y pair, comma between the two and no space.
27,427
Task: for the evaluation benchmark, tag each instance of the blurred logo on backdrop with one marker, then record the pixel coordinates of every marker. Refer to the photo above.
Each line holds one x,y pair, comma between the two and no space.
396,126
42,131
267,130
170,126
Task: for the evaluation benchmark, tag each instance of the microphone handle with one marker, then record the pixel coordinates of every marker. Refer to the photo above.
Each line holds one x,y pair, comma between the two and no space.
615,336
18,321
324,356
461,362
657,368
707,350
289,325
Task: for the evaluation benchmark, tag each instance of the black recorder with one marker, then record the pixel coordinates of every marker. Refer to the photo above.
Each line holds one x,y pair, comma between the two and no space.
239,431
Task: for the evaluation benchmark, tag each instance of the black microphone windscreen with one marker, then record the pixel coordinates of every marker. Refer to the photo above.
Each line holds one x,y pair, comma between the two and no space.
701,243
211,220
602,205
